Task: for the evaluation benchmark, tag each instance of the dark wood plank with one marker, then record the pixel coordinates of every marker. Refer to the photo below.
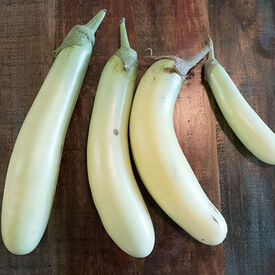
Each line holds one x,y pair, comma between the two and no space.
181,28
27,38
175,251
243,33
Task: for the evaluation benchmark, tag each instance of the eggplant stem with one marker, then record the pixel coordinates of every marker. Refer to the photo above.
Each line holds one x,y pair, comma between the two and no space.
211,46
127,55
182,66
197,58
124,42
96,21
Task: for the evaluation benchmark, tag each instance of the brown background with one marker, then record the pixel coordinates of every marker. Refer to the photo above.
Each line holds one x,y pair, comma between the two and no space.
75,241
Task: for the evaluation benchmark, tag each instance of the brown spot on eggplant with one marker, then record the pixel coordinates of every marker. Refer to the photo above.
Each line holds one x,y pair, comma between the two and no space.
169,70
215,220
116,132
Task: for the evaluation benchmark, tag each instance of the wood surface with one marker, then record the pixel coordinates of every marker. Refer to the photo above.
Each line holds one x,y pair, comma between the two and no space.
75,241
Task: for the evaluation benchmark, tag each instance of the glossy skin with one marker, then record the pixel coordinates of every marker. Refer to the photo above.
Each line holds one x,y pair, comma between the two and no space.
34,165
161,164
244,121
115,192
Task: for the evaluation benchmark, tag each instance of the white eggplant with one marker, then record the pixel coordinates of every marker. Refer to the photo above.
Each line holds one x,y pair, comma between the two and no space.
115,192
34,165
160,161
258,138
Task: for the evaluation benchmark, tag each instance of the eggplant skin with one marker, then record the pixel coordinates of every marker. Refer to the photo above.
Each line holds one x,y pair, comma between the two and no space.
160,161
115,192
34,165
252,131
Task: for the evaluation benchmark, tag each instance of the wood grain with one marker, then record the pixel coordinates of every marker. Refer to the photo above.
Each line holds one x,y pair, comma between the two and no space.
75,241
244,38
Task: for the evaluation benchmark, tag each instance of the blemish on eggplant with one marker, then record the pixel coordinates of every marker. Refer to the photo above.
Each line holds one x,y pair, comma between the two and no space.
203,240
116,132
169,70
215,220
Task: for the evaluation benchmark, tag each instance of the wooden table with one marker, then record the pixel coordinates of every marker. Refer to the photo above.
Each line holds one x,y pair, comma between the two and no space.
75,241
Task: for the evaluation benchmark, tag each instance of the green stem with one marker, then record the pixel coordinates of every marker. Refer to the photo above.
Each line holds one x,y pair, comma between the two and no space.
82,34
127,55
197,58
211,61
182,66
124,42
96,21
211,52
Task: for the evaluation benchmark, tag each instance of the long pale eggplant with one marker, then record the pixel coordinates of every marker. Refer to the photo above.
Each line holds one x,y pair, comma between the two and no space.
255,135
114,189
160,161
34,165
